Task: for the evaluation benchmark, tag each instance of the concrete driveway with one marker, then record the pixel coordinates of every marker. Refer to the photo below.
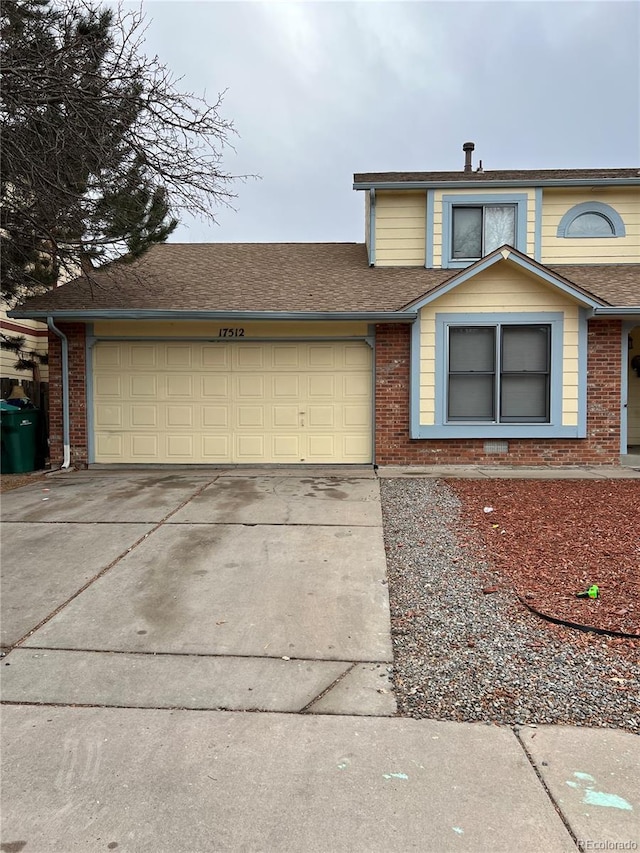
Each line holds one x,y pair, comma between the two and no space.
200,590
140,611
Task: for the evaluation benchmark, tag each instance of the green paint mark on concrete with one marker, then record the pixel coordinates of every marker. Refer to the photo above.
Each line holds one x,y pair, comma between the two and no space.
609,801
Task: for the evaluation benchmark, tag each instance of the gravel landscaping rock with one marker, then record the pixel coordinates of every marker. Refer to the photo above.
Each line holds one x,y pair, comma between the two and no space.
461,653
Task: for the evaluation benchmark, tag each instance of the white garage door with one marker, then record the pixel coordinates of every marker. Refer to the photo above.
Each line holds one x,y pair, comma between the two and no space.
208,402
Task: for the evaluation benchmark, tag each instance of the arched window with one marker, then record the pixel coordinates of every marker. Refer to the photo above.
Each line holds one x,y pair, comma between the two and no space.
591,219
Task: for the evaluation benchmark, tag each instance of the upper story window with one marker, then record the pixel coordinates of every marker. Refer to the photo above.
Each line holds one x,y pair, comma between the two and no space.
591,219
477,231
473,226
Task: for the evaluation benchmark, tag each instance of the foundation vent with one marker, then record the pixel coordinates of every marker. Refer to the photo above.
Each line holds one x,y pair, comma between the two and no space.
496,447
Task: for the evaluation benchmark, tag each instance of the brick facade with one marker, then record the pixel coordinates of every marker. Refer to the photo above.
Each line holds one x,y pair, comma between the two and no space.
393,445
601,447
75,333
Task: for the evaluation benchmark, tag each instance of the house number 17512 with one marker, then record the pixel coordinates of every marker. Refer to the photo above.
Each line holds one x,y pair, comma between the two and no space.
231,333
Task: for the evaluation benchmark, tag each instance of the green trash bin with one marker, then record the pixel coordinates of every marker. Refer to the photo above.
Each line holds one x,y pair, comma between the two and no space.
19,437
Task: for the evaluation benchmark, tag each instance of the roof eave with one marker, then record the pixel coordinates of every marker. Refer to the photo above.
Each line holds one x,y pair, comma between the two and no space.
617,312
163,314
475,184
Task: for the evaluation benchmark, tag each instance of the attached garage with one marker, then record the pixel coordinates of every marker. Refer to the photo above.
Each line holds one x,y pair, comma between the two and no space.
231,401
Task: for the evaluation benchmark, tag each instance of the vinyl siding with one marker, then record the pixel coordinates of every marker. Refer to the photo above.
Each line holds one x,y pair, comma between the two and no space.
33,342
437,215
496,291
400,228
581,250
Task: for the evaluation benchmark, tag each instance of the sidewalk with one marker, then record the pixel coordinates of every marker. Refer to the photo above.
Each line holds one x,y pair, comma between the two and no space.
496,472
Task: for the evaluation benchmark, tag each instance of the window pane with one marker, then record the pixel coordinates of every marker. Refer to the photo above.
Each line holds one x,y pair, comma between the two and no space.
590,225
472,349
499,226
524,398
471,397
525,348
467,232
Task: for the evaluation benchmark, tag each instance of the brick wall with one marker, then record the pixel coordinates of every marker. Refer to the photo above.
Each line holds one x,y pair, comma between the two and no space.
75,333
601,447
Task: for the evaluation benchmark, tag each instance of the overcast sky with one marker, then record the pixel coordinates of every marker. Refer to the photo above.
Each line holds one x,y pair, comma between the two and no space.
320,90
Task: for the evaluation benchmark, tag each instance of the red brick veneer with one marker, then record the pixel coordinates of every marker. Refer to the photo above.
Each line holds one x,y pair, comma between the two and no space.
393,445
600,447
75,333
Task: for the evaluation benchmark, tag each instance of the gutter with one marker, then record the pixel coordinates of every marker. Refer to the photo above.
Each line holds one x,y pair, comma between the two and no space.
66,461
620,313
161,314
465,185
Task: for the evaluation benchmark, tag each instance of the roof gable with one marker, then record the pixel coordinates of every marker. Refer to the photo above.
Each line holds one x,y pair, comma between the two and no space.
513,256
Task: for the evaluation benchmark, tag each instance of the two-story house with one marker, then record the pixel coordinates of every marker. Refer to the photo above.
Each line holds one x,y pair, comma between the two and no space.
489,317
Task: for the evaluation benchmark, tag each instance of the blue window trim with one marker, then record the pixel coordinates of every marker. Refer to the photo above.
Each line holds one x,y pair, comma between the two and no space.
591,207
553,429
449,201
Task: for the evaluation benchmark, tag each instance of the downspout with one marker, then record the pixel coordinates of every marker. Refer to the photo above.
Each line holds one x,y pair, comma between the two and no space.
66,461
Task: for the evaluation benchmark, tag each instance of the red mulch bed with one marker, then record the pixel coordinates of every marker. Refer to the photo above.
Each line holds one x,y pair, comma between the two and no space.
550,539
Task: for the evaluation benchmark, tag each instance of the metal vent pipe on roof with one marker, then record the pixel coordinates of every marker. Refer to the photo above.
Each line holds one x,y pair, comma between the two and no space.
468,147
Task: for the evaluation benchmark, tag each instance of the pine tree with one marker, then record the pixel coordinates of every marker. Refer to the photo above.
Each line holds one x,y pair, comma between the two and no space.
100,150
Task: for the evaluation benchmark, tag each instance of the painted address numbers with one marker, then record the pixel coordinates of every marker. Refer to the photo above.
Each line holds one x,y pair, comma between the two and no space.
231,333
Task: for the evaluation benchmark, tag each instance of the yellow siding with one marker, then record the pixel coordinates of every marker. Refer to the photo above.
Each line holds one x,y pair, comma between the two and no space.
633,400
580,250
400,228
437,215
211,329
496,290
37,343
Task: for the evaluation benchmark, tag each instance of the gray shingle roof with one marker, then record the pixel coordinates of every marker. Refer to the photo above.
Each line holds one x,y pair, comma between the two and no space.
284,277
525,175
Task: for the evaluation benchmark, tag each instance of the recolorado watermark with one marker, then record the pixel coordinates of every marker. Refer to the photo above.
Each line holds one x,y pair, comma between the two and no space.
588,844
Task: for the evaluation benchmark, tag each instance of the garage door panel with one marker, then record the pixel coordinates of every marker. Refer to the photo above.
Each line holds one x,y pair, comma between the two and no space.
109,416
108,386
179,385
107,355
143,416
109,446
144,446
356,416
322,385
180,416
232,402
285,386
179,356
249,357
215,386
249,448
216,416
216,448
180,447
250,416
143,385
216,355
145,356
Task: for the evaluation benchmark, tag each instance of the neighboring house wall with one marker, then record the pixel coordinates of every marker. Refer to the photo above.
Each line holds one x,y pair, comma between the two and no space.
590,250
35,335
395,447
